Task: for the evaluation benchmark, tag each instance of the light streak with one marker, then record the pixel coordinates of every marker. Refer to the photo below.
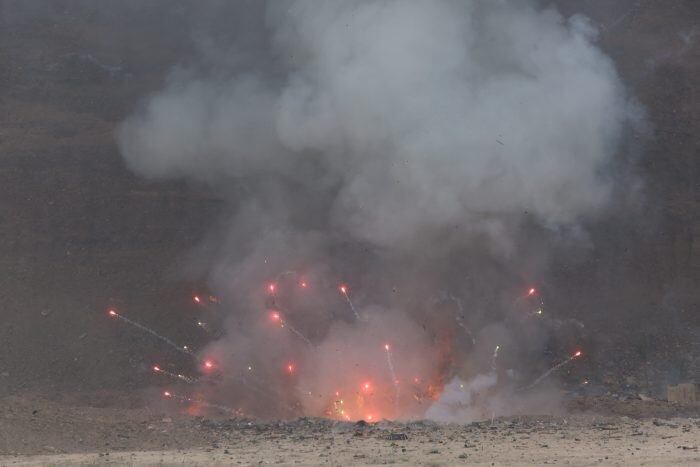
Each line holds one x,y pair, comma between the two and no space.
276,316
394,380
203,403
495,357
556,367
181,349
157,369
344,290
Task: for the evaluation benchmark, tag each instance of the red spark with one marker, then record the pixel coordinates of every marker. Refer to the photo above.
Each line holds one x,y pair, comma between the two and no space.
531,291
366,386
344,289
167,394
196,299
156,368
577,354
112,313
275,316
303,284
369,418
386,347
271,288
208,365
337,393
290,368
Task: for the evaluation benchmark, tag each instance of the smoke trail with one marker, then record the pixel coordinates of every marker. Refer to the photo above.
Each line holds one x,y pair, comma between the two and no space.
413,147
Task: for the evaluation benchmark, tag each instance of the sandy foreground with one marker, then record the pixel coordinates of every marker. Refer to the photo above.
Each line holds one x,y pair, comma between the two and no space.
37,432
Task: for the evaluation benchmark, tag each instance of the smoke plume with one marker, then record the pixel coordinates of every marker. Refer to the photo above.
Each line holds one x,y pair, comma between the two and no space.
427,156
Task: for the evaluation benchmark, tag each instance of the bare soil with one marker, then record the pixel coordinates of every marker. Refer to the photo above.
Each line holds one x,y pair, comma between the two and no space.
36,430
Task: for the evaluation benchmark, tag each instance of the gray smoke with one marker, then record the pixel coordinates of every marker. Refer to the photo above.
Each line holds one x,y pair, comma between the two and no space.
404,147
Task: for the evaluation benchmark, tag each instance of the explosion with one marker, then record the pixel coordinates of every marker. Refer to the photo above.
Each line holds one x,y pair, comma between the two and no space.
419,162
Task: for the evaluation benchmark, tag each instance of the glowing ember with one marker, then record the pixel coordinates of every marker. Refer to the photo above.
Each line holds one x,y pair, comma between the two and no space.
343,289
303,284
386,347
208,364
167,394
531,292
366,386
271,288
577,354
113,313
156,368
290,368
275,316
196,299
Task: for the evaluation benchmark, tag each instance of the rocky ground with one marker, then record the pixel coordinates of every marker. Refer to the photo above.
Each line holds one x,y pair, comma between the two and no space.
37,430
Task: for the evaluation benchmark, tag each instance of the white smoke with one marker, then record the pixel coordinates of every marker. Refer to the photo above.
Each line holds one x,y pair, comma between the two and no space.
406,128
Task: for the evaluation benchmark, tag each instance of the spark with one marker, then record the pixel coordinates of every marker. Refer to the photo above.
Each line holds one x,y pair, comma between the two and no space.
182,349
203,325
271,288
303,284
290,368
495,357
208,364
344,290
531,292
366,386
197,300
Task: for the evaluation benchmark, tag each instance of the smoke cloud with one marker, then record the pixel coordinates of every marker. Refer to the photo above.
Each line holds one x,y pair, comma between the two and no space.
429,155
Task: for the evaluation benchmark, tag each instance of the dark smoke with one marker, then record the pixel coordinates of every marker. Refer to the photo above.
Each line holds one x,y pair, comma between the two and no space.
432,156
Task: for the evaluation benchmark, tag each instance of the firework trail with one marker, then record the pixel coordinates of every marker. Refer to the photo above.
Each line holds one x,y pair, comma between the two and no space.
277,316
182,349
183,399
344,291
495,357
299,334
394,380
177,376
552,370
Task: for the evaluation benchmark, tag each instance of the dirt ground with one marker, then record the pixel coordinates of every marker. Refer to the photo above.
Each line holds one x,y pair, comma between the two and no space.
35,430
